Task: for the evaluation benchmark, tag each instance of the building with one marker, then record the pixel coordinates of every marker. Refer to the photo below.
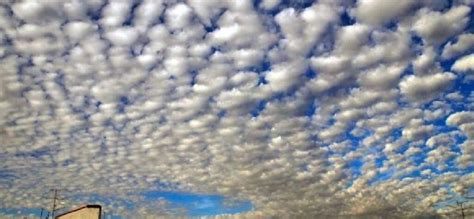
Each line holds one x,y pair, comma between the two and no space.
82,212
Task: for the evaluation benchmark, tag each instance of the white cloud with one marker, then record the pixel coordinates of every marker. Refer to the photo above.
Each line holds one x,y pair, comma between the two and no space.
349,39
178,16
241,29
437,27
467,157
464,43
285,75
245,58
416,130
389,47
330,64
424,88
123,36
439,156
455,96
35,11
423,64
464,64
269,4
76,9
372,12
384,77
303,30
78,30
115,13
457,119
206,9
148,13
440,139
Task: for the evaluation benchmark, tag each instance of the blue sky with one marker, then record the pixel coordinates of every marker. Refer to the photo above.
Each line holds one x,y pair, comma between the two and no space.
200,205
237,108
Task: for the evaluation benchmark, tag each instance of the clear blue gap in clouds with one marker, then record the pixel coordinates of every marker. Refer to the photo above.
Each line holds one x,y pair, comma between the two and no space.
200,204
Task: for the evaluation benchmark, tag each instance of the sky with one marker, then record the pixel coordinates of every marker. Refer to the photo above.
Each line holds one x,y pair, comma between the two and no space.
237,109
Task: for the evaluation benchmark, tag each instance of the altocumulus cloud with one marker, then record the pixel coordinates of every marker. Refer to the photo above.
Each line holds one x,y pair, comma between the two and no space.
318,109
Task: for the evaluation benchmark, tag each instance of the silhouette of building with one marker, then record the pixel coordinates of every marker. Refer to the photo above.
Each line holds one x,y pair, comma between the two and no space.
82,212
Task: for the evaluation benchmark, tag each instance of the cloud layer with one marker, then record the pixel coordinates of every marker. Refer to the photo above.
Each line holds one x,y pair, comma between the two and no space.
328,109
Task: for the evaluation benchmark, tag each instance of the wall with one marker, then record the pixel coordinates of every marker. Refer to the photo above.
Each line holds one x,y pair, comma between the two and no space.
84,213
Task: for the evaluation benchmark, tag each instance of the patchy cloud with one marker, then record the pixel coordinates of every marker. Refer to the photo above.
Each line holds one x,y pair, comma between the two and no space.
301,109
425,88
464,64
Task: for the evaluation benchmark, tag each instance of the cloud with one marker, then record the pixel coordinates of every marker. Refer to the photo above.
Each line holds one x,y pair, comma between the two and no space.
465,160
424,88
269,104
464,43
460,118
178,16
122,36
115,13
416,130
269,4
373,13
381,77
34,11
285,75
436,27
302,30
147,13
464,64
441,139
78,30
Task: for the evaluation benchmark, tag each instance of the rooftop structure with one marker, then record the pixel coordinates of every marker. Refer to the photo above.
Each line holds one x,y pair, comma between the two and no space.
82,212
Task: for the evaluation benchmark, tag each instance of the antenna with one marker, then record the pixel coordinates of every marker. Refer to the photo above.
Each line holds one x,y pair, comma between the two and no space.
460,206
55,203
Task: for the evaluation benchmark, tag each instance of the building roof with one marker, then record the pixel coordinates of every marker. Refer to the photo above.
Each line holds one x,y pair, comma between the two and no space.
79,208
